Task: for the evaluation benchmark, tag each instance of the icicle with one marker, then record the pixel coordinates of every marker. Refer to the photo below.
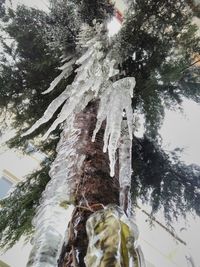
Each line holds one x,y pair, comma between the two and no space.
67,69
55,209
92,75
55,104
85,56
113,132
75,104
64,59
113,101
125,168
55,82
125,149
68,65
102,111
112,70
140,255
92,81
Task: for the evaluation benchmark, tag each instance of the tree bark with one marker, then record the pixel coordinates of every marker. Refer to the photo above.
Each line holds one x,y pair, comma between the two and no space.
94,188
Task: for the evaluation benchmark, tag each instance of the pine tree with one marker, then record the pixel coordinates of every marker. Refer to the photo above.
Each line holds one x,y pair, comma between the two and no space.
146,66
27,67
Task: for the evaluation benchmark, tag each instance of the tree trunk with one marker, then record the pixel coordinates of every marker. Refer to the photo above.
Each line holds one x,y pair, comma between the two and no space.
94,188
82,192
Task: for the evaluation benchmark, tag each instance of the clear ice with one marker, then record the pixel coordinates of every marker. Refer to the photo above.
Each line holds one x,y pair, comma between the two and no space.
94,70
56,205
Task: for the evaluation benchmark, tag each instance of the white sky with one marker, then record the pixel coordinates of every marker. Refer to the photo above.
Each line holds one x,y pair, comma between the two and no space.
183,130
42,4
179,130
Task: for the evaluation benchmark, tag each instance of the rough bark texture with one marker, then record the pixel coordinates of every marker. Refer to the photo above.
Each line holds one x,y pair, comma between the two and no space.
95,188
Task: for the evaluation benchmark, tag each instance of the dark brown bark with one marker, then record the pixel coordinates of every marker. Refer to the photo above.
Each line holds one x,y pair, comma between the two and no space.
95,188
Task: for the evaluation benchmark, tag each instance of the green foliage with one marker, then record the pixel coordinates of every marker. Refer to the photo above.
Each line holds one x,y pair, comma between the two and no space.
195,6
89,10
18,209
2,8
163,180
62,26
157,43
27,68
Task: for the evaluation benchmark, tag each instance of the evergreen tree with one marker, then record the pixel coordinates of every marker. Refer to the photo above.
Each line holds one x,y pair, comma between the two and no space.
156,45
27,67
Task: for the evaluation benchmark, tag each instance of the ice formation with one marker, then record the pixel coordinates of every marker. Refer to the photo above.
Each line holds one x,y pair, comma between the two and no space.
112,240
113,101
67,69
56,206
125,168
55,104
95,70
92,81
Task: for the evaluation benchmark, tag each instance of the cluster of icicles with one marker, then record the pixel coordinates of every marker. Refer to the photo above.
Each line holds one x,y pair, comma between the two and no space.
93,81
94,72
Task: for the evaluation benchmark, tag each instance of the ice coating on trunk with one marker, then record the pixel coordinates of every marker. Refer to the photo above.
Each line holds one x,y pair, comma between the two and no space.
112,240
94,80
55,209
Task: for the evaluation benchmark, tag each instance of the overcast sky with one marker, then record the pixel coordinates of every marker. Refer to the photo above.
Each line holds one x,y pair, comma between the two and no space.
42,4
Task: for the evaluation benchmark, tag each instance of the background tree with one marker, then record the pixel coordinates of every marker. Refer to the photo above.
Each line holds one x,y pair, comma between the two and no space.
155,45
27,67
